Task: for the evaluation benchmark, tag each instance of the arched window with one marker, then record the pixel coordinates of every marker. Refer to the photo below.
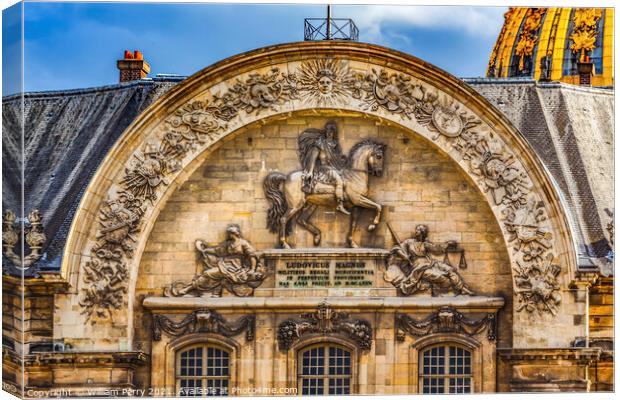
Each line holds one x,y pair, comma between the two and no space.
445,369
203,371
324,369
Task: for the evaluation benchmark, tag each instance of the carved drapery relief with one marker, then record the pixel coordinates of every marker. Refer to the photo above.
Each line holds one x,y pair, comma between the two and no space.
196,125
325,321
583,39
204,321
33,234
232,265
445,320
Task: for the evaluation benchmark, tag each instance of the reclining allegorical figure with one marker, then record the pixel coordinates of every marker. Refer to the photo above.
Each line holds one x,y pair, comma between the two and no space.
233,264
412,269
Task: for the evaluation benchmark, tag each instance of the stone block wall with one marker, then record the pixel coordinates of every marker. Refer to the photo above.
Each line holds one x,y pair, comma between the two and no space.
390,366
419,185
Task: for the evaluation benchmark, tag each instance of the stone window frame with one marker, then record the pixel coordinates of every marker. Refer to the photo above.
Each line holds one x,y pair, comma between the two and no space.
446,339
294,355
176,346
204,347
325,376
446,375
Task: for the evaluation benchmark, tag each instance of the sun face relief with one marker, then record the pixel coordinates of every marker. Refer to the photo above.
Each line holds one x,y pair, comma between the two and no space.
326,83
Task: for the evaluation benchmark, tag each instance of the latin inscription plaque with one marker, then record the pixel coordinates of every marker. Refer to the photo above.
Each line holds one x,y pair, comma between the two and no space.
327,268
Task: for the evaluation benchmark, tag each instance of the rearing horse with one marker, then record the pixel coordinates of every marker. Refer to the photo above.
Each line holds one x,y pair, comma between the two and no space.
288,200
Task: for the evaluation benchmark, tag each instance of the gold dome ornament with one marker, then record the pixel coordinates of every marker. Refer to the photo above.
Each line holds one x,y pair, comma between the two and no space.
555,44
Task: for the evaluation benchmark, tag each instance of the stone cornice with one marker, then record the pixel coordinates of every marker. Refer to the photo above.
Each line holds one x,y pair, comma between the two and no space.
575,353
287,304
77,359
87,358
47,284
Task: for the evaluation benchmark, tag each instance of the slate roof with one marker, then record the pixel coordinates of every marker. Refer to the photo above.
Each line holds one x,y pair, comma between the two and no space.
66,136
572,130
68,133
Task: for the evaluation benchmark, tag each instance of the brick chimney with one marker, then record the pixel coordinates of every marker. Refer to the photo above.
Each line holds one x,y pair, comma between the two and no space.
132,67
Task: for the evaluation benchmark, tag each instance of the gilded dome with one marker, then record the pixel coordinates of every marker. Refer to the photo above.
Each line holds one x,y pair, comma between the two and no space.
551,43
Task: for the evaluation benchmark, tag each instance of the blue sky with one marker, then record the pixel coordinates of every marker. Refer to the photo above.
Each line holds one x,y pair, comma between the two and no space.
76,45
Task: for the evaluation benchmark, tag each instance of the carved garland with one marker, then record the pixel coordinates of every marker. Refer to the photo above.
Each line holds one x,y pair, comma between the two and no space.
204,321
325,321
445,320
199,123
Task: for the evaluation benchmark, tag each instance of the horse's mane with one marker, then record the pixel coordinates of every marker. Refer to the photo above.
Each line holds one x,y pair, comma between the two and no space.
357,146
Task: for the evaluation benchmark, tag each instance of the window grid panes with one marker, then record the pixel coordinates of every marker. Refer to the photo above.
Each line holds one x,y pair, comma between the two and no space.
446,369
203,371
325,370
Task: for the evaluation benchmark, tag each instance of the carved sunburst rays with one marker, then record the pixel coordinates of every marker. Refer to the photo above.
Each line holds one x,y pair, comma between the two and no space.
323,82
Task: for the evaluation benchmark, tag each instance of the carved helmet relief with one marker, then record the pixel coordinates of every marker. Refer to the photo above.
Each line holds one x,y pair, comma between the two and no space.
320,82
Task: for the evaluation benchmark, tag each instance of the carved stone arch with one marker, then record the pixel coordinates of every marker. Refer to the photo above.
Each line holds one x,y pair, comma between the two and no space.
248,88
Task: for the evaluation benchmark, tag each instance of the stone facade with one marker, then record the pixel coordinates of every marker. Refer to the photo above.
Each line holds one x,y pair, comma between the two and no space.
468,213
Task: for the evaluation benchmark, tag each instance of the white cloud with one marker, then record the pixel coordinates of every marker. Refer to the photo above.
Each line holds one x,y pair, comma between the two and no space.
374,20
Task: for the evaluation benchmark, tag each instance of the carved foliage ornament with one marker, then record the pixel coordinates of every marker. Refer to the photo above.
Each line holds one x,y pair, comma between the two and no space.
445,320
492,69
33,234
204,321
527,39
583,39
325,321
199,123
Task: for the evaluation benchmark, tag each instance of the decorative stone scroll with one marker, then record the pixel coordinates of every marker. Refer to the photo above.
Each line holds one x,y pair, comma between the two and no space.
325,321
312,83
33,233
204,321
445,320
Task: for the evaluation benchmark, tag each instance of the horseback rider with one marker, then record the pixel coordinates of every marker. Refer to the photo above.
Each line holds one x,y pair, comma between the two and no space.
322,161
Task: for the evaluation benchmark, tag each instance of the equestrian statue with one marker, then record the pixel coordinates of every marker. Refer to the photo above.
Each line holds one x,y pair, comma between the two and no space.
329,179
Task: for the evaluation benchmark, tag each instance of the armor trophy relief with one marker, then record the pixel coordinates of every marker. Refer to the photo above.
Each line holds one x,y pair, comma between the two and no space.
330,179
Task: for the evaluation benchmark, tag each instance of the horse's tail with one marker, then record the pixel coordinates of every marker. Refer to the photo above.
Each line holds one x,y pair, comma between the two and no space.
273,190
